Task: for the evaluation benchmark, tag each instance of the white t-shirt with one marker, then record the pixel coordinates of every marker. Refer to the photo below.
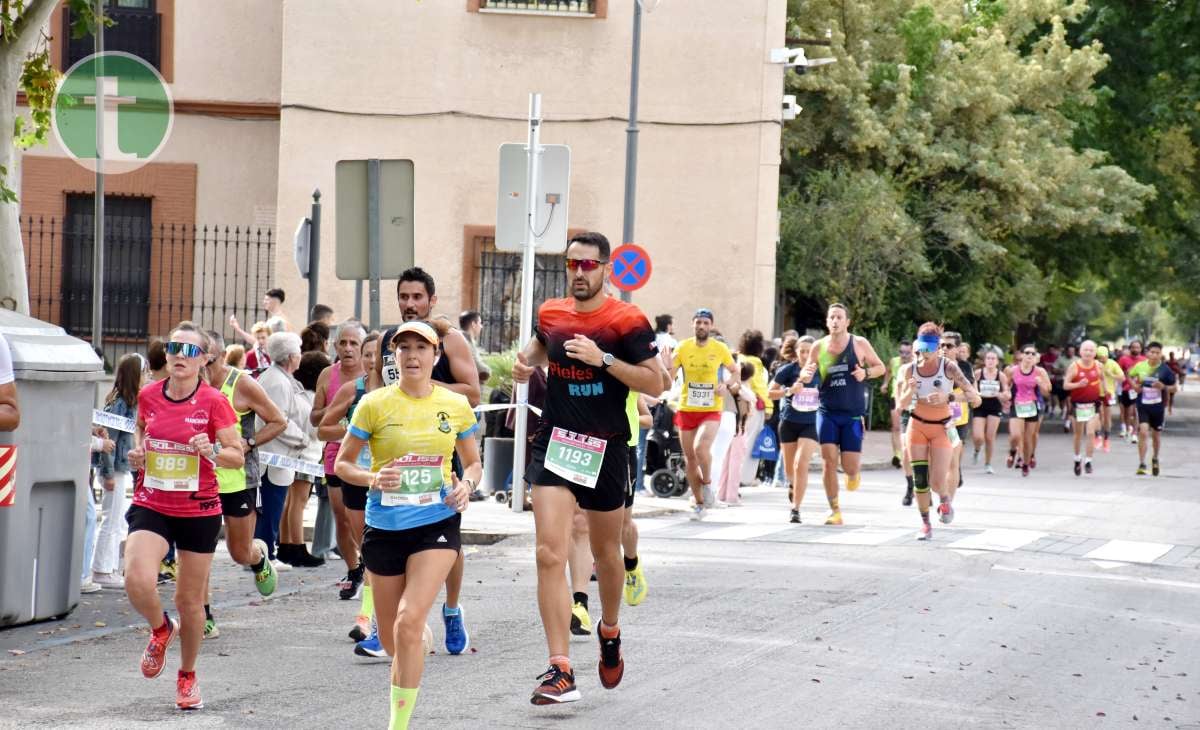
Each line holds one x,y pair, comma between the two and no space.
665,341
6,365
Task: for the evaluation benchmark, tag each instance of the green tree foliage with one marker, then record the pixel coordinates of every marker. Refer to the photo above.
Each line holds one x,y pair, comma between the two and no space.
933,173
1147,116
39,78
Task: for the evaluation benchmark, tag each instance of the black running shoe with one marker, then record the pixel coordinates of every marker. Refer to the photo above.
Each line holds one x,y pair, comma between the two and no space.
556,687
1154,467
908,496
895,462
1078,468
349,586
795,520
1087,467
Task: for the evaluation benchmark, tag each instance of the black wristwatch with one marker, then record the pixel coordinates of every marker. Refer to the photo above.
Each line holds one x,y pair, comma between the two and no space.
607,361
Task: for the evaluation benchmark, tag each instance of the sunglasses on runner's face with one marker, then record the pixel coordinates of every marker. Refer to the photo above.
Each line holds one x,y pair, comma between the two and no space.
1029,352
585,264
948,345
184,349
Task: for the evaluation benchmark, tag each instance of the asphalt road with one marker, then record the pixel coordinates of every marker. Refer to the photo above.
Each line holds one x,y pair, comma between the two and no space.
1052,602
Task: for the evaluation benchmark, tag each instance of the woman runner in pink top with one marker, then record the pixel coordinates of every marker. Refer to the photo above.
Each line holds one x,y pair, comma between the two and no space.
185,428
1031,386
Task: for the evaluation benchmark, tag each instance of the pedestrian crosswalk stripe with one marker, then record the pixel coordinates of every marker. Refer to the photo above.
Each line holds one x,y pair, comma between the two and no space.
865,536
738,532
998,540
1129,551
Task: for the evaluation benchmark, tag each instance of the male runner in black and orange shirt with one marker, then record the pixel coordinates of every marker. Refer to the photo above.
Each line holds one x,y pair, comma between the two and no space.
596,349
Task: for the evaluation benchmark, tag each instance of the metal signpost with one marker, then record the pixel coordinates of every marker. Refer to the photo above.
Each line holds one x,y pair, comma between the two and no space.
546,184
374,202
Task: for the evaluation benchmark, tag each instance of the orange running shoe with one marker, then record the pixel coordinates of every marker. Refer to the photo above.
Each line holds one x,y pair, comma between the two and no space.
154,658
612,663
187,692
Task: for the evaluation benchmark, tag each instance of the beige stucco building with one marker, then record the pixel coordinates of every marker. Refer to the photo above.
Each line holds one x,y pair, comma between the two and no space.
271,96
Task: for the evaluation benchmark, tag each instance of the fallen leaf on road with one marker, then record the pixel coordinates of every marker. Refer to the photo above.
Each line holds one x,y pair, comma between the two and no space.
1076,674
100,624
16,652
1101,714
815,680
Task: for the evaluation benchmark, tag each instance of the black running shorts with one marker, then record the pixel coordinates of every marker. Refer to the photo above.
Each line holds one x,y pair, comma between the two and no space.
353,496
194,534
791,432
610,490
386,552
238,504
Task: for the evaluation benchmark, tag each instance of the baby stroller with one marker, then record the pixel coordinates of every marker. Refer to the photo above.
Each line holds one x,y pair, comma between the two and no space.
664,455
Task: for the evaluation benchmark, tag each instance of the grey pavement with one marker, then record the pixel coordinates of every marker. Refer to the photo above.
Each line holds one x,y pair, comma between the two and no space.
1047,604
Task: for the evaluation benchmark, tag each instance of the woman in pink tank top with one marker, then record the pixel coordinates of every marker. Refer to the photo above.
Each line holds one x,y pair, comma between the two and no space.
349,366
1031,385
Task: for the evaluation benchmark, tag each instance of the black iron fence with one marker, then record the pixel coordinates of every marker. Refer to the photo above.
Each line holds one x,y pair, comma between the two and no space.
155,275
499,275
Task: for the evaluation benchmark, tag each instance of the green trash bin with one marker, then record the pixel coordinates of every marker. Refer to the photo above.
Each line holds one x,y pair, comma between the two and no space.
41,533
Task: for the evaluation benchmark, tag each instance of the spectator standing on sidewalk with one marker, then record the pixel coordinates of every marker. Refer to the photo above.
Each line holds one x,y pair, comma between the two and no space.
283,390
115,475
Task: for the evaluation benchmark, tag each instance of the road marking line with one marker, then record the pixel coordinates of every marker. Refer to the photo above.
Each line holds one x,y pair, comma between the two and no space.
1129,551
1102,576
652,525
866,536
998,540
739,532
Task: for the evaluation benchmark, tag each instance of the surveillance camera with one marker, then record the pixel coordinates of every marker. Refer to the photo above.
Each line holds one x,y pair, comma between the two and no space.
790,108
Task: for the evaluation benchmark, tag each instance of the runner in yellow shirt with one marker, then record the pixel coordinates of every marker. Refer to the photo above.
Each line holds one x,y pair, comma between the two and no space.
1114,376
699,414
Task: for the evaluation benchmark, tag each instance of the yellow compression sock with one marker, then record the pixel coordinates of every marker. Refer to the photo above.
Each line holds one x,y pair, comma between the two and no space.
368,601
403,701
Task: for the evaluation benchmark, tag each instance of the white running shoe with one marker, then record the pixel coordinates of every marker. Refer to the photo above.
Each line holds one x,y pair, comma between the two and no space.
698,513
280,566
989,470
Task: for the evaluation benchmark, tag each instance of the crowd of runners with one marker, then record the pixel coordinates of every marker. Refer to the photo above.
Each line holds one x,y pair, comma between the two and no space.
226,436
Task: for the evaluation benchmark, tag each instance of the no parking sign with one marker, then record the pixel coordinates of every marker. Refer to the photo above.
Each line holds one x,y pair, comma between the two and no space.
631,267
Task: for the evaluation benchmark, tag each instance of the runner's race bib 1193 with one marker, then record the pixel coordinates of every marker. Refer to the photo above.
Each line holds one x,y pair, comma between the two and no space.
1027,410
702,395
171,467
989,388
1151,396
421,481
575,456
807,400
1085,412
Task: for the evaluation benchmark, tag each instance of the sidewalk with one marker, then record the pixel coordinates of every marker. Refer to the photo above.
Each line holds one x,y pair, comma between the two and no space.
487,522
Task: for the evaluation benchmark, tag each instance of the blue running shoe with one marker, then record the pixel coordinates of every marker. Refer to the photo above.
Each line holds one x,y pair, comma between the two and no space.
457,638
371,647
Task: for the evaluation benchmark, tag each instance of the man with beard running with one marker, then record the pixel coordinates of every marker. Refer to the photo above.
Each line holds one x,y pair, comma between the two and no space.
699,418
840,358
597,348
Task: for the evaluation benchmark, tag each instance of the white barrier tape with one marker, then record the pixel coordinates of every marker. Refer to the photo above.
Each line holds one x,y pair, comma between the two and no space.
506,407
111,420
287,462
